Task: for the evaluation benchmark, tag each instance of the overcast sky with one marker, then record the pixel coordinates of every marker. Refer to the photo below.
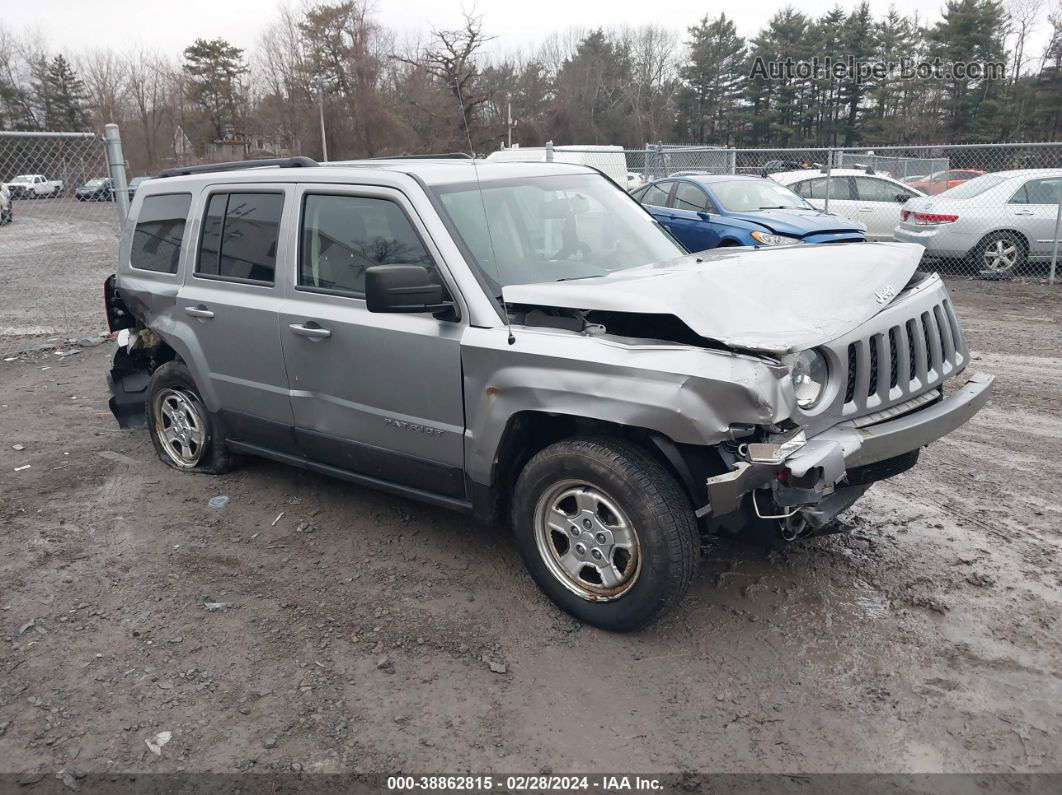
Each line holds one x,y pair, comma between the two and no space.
171,25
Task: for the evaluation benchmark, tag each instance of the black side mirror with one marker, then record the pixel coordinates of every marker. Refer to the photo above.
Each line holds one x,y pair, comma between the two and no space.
403,288
704,215
902,198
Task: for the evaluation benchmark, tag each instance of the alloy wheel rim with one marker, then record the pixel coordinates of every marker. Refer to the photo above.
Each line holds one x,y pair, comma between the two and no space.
587,541
1000,255
180,427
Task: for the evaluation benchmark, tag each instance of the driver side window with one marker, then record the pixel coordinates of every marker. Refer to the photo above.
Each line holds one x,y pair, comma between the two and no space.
342,236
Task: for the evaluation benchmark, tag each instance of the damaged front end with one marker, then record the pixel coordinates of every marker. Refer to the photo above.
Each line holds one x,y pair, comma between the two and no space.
804,483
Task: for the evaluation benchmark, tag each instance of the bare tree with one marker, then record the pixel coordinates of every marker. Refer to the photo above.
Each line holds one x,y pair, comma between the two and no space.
106,81
451,60
152,89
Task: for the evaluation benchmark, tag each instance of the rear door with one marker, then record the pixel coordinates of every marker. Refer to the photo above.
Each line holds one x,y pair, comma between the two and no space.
230,303
376,394
1033,210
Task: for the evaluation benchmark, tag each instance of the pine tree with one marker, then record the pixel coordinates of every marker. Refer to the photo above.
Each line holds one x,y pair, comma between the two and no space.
970,32
213,69
713,82
63,97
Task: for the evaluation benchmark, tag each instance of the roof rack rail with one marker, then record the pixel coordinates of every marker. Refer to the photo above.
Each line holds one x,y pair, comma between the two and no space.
237,165
446,156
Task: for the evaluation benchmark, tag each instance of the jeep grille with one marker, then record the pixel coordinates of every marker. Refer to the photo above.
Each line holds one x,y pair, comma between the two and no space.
903,360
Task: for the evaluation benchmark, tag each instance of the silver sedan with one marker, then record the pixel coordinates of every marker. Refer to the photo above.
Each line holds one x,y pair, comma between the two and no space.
1000,222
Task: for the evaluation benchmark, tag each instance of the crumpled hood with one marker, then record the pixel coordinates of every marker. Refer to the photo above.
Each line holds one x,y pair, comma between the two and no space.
775,300
798,222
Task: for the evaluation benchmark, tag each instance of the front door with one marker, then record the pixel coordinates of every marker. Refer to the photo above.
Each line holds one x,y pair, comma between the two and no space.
1034,210
375,394
691,222
230,304
879,205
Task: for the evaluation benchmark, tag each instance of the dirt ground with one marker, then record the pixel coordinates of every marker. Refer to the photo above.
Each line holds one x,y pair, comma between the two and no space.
928,640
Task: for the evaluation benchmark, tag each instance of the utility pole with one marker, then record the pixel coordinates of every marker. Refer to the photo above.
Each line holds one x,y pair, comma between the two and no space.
320,108
509,120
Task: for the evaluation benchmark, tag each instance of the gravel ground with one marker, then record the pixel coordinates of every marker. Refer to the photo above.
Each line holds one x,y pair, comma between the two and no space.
360,632
52,258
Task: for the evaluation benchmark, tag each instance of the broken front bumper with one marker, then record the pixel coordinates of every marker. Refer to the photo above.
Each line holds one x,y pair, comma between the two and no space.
811,472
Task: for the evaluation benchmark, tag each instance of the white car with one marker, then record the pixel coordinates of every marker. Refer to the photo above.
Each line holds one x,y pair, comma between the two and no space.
5,205
34,186
875,199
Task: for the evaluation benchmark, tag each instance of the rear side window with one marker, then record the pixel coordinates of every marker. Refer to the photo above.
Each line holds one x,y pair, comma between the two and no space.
1039,191
656,195
342,236
159,229
240,233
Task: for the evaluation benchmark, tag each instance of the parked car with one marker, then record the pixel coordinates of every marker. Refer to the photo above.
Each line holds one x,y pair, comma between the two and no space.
6,212
135,183
634,180
940,181
704,212
100,189
1000,222
777,166
871,198
34,186
522,343
606,158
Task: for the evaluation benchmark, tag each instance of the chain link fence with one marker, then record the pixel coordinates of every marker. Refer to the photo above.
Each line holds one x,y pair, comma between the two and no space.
59,235
980,211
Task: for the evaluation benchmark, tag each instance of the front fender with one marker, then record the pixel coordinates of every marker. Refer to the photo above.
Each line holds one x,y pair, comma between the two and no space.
690,395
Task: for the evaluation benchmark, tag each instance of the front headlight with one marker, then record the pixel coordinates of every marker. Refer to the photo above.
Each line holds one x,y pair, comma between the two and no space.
767,239
809,374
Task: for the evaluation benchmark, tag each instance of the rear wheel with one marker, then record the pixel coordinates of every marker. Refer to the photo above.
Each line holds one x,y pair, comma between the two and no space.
605,531
999,255
181,429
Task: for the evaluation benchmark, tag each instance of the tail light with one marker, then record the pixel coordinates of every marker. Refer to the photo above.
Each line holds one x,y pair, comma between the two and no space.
928,219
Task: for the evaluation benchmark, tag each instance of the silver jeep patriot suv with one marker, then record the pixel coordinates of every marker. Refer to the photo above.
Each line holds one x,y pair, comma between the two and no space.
524,343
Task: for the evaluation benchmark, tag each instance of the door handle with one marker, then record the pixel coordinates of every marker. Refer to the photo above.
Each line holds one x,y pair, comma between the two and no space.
1023,212
314,332
198,311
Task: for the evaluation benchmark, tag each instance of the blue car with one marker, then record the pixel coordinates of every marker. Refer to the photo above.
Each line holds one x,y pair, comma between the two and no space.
709,211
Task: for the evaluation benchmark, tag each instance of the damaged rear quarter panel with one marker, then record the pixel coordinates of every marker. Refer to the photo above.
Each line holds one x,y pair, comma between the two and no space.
691,395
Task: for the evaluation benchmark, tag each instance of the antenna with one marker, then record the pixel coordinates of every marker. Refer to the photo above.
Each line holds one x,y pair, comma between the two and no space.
483,204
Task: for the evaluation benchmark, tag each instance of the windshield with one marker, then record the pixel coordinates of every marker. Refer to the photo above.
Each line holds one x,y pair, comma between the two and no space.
974,187
752,195
545,229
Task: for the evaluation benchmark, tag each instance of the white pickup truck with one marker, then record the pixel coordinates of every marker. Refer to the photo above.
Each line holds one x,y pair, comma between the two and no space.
34,186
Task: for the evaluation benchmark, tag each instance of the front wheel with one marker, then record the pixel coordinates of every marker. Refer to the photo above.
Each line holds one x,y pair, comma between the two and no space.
182,431
605,531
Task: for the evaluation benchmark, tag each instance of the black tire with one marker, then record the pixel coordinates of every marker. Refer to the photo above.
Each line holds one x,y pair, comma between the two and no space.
209,452
1000,242
667,536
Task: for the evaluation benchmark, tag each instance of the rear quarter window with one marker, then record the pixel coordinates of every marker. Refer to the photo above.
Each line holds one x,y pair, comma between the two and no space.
159,231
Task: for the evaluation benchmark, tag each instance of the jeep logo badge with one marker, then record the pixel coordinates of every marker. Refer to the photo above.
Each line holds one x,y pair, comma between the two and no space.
886,293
